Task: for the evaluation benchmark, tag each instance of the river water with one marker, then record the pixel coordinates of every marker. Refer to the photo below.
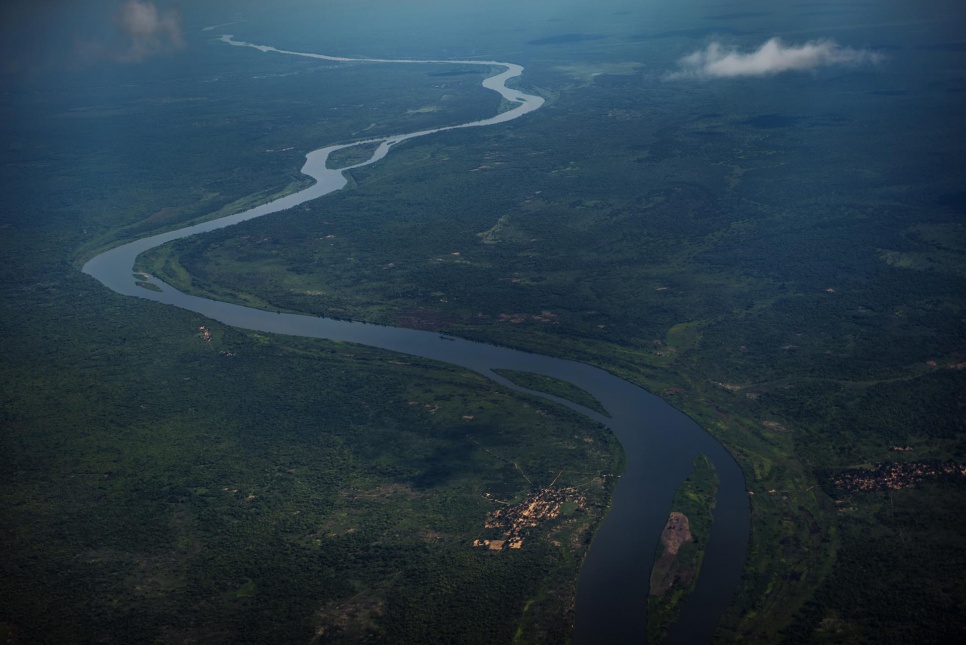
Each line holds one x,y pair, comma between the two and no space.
659,441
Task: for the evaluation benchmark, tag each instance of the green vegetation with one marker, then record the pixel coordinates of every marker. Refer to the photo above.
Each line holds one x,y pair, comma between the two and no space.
556,387
147,285
788,271
762,309
678,564
213,488
247,488
899,558
351,156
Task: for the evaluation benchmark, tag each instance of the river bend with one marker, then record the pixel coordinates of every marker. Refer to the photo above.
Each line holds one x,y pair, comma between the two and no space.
659,441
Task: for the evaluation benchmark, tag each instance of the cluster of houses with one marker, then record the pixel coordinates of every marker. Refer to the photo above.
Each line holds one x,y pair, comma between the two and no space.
516,521
895,476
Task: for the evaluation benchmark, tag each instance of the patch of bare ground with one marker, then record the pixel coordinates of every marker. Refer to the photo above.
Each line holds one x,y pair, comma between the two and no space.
419,318
545,317
432,537
382,491
668,570
355,620
774,426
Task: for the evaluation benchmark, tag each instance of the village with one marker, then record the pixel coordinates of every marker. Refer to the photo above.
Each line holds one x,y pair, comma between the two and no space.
514,522
895,476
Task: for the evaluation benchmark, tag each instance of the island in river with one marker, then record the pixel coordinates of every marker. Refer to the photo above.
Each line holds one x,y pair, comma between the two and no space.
681,548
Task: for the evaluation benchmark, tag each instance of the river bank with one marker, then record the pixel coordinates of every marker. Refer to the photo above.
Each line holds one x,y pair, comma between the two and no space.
660,442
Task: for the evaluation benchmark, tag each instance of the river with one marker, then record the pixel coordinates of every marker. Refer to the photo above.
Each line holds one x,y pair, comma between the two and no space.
659,441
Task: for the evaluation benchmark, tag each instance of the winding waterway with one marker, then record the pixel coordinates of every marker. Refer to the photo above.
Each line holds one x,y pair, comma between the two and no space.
659,441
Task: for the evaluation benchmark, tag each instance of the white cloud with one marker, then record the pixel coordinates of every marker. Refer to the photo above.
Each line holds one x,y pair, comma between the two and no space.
774,57
146,31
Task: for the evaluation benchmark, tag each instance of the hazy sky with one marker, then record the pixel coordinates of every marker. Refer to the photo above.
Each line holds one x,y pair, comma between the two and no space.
699,39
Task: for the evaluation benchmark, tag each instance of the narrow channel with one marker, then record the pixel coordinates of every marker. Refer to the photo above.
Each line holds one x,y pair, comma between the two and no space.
659,441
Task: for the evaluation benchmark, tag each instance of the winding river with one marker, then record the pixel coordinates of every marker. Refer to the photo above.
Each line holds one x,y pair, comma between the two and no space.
659,441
